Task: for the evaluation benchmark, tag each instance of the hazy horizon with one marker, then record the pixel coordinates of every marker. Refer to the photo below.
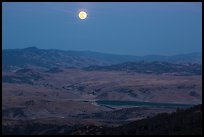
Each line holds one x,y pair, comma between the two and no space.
116,28
104,52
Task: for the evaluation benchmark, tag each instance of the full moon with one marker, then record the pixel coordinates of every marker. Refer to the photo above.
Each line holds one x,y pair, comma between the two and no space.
82,15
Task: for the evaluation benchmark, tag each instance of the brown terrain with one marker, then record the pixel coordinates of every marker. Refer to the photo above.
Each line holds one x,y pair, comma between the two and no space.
69,96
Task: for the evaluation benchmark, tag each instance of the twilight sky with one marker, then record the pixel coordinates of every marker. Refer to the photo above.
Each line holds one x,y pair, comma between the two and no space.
120,28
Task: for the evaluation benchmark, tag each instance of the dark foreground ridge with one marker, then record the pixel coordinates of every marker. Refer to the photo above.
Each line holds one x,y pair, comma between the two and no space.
181,122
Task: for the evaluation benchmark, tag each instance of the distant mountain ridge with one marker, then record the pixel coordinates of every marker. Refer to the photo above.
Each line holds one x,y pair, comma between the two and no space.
49,58
155,67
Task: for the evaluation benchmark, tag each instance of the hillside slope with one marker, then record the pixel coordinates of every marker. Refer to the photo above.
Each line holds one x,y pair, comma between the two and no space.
155,67
182,122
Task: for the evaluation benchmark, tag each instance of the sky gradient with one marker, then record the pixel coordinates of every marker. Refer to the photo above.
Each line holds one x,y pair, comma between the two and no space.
120,28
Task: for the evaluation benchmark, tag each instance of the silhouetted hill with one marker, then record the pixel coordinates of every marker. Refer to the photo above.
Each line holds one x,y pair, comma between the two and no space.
181,122
50,58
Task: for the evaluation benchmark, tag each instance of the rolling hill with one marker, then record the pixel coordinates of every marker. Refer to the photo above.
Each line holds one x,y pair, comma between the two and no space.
48,58
155,67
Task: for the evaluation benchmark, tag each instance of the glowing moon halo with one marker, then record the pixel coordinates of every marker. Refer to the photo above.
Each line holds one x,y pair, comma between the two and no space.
82,15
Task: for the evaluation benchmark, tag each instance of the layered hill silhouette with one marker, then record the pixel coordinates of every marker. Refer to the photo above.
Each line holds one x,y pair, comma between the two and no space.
49,91
49,58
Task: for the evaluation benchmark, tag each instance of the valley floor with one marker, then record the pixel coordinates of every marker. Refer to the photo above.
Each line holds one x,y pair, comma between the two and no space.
72,97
